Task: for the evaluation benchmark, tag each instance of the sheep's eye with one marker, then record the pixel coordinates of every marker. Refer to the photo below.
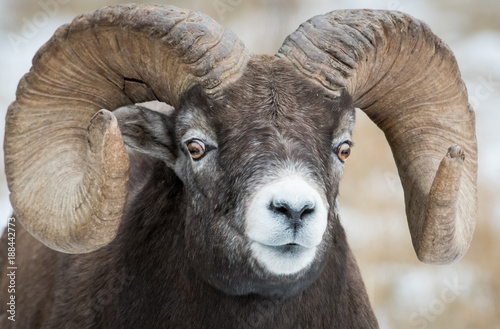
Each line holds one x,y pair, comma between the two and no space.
344,151
196,148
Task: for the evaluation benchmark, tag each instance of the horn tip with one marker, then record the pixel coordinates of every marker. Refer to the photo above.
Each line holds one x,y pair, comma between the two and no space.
100,124
456,152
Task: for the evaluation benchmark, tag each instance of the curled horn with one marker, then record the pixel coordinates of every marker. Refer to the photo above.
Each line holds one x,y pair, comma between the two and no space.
66,164
407,81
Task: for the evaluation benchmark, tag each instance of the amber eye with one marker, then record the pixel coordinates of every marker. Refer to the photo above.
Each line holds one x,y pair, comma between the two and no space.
196,148
344,151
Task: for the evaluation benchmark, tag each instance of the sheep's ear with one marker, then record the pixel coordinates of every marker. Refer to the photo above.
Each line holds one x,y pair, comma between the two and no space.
147,131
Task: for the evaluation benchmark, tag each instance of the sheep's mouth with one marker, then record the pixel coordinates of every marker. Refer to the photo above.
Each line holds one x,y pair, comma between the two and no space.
285,259
288,249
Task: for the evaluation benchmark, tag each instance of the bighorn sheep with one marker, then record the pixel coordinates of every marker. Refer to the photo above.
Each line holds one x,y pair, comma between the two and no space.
229,219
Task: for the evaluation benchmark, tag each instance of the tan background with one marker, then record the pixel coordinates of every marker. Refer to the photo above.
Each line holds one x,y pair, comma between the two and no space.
405,293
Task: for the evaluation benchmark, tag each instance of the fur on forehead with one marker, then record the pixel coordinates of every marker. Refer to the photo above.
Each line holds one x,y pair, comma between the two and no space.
275,89
271,92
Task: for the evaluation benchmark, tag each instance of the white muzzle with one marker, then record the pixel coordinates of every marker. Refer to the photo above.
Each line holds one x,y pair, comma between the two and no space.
285,222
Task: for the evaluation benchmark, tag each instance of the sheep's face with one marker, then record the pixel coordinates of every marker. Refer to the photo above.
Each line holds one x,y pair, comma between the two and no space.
261,169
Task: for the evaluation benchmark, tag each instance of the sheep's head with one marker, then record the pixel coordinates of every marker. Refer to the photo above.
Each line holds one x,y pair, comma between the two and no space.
261,169
258,141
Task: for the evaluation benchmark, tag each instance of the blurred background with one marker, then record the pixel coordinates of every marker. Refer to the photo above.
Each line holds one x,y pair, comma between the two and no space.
404,292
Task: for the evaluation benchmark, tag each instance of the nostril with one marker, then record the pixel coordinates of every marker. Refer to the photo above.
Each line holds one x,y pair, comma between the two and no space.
307,210
294,212
282,210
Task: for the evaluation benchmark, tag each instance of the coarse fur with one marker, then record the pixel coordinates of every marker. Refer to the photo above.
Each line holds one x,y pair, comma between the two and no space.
181,258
